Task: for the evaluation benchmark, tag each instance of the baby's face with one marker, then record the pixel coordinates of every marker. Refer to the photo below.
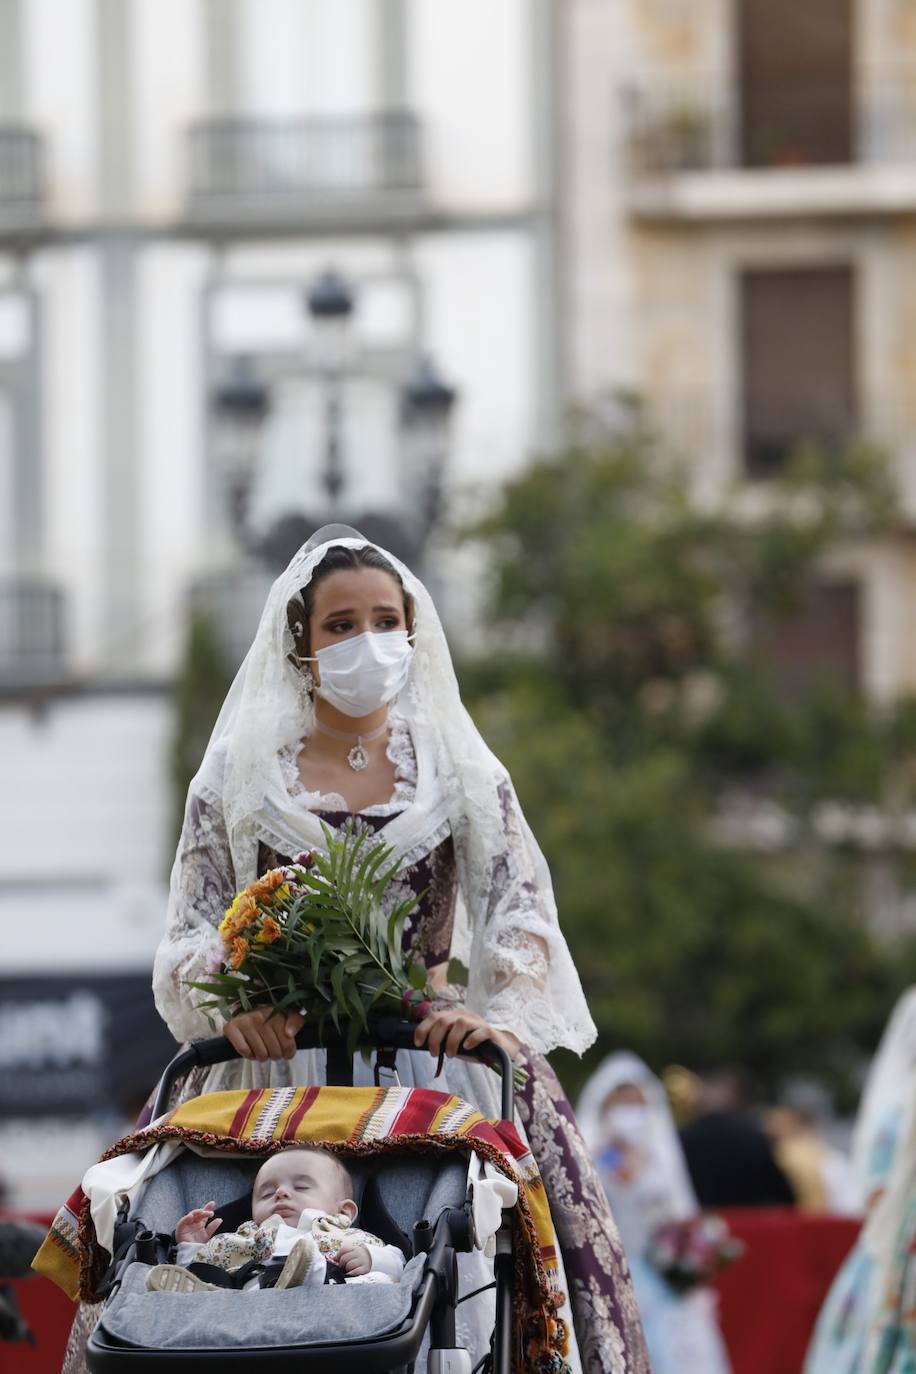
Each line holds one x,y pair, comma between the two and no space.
295,1179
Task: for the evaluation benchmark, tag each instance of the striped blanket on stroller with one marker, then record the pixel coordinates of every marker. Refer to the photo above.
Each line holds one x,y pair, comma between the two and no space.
354,1122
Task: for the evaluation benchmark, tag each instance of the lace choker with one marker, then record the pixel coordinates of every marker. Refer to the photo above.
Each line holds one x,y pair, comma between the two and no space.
357,758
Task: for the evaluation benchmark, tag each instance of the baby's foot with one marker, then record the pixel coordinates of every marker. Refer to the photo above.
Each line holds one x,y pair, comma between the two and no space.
298,1263
174,1278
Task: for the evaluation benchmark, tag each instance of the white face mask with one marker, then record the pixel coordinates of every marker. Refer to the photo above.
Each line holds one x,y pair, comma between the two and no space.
628,1121
361,674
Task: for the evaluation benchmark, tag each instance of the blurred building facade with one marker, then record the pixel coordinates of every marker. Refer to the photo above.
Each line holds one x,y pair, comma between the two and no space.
174,174
739,213
709,202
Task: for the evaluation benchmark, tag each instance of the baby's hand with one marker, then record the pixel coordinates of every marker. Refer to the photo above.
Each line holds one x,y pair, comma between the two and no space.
354,1259
198,1225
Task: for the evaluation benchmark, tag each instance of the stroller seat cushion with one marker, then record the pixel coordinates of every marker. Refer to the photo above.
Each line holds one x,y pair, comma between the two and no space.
263,1318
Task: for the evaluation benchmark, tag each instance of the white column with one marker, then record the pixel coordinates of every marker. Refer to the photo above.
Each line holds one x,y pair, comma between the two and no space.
546,97
117,250
10,61
389,54
222,27
114,79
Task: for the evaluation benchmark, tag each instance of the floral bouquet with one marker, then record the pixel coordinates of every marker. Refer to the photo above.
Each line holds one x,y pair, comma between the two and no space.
690,1253
313,937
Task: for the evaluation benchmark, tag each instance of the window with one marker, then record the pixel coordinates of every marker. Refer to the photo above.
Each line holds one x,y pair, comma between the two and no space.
819,638
795,65
797,363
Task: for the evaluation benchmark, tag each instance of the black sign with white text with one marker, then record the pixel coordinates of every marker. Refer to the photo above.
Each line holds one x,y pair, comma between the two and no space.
74,1046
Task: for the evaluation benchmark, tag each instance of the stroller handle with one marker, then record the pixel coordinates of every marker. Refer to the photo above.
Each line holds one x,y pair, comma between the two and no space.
384,1032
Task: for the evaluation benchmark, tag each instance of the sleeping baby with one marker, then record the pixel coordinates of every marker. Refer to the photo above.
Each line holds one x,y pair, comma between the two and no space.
301,1232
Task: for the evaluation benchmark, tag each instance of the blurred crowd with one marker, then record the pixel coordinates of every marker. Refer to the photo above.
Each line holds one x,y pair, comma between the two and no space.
676,1149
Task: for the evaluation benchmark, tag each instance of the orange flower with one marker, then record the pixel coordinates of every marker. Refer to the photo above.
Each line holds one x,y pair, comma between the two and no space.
239,952
267,883
269,932
247,909
243,912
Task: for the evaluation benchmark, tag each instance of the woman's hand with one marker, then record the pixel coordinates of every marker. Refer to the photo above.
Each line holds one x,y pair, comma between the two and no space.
198,1225
264,1033
443,1031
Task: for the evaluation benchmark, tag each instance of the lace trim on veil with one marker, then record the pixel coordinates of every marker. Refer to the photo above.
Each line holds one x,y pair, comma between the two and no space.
400,752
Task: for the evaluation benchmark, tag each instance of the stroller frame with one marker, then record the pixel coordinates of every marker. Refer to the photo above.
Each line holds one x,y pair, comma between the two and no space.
437,1294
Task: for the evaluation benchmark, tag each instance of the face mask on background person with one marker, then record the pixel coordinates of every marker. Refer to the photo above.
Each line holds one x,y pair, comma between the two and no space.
627,1122
361,674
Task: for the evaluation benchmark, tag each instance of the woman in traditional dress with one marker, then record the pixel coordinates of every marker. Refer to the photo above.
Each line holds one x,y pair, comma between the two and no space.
627,1123
867,1324
347,706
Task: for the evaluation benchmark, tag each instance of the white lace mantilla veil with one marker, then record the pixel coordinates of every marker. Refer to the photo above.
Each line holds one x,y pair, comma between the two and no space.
510,916
674,1191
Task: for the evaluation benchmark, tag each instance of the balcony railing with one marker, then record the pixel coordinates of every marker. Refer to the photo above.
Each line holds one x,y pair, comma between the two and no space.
21,168
346,156
670,129
31,632
705,430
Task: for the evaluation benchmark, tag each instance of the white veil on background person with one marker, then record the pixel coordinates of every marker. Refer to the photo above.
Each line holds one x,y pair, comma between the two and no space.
521,976
866,1319
889,1108
889,1236
682,1332
889,1087
664,1192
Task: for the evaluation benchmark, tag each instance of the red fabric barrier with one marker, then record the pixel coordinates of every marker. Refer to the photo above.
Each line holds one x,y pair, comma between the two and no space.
48,1312
770,1298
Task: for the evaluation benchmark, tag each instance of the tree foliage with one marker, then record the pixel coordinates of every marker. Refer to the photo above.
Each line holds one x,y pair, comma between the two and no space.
634,716
203,681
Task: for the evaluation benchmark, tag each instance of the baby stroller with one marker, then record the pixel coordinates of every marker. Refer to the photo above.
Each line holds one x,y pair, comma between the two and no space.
420,1203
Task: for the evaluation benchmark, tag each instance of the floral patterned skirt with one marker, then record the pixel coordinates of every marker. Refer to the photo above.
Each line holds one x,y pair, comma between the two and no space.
608,1328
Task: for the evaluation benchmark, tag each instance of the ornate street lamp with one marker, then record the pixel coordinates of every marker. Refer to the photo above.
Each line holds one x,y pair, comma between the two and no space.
329,298
330,303
240,405
427,402
241,402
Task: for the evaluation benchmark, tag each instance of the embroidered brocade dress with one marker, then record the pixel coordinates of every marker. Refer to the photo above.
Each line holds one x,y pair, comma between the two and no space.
608,1333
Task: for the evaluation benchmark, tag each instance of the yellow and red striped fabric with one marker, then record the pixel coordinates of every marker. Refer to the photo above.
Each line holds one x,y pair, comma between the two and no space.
352,1121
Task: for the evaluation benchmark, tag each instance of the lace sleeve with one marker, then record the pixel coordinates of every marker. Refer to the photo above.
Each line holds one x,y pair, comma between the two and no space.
202,886
521,975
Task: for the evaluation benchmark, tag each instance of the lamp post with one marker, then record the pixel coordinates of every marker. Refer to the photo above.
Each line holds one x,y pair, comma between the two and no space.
242,401
329,301
426,407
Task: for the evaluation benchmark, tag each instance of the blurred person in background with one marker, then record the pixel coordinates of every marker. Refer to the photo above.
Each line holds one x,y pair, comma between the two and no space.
629,1127
682,1089
868,1322
821,1176
729,1156
19,1240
